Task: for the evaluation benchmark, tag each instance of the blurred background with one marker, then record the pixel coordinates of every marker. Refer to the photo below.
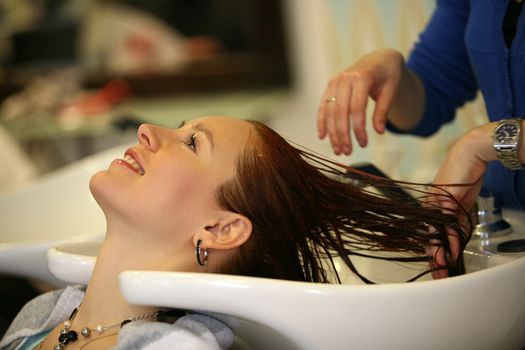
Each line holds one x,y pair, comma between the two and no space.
77,76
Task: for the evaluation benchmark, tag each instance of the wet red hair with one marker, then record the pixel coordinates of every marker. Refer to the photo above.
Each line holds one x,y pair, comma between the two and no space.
304,213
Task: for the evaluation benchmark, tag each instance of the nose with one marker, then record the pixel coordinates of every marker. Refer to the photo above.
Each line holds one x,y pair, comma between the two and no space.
148,136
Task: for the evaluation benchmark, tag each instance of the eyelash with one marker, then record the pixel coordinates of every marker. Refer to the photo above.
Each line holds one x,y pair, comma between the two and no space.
191,142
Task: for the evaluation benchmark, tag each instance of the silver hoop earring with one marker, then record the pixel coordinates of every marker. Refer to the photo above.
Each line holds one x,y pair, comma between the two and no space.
201,254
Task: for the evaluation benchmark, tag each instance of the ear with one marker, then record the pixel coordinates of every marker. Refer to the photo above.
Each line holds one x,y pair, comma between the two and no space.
230,231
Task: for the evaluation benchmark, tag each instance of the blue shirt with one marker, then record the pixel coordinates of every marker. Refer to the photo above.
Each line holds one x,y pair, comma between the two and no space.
462,50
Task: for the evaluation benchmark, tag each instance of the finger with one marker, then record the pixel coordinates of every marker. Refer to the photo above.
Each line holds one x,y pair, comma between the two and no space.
382,106
329,112
323,112
438,253
342,113
454,243
358,102
321,122
333,136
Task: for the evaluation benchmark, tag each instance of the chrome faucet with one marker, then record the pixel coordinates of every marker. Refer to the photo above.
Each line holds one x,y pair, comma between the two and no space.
490,221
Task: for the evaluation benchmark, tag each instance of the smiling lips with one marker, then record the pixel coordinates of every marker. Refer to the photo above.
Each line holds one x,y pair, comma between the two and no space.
131,163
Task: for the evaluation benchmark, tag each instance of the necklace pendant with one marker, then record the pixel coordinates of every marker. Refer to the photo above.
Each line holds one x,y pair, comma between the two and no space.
72,336
58,346
67,337
86,332
63,339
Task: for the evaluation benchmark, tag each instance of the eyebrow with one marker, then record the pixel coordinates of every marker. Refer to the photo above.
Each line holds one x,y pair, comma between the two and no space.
200,127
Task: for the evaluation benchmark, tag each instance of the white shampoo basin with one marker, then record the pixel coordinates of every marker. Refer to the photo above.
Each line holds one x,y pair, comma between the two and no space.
480,310
53,208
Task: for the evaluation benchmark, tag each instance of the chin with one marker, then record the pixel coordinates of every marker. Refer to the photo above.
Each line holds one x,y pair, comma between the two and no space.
112,195
100,188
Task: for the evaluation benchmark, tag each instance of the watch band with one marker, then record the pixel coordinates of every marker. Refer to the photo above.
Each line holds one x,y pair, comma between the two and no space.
510,158
507,147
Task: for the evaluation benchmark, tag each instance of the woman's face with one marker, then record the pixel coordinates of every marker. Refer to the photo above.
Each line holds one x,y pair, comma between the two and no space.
167,183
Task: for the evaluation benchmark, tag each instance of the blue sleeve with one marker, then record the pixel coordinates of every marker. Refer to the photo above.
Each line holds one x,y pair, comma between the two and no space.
441,61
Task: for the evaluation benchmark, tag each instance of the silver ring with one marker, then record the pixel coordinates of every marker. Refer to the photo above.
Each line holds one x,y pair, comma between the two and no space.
331,99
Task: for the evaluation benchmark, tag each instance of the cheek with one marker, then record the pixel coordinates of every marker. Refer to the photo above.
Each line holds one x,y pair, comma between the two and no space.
181,184
181,199
167,199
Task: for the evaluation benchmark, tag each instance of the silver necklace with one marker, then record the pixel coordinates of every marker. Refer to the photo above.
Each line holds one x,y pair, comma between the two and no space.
68,335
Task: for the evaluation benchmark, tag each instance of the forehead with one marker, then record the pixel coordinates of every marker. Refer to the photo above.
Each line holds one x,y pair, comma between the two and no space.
230,136
224,126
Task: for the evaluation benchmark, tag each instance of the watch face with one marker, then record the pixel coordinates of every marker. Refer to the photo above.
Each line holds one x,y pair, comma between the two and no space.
507,133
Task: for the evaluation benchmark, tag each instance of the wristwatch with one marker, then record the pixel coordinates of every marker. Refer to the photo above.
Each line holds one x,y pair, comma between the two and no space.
506,140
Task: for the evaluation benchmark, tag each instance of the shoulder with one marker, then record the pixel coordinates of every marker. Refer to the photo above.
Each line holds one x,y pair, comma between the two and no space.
43,312
192,331
35,312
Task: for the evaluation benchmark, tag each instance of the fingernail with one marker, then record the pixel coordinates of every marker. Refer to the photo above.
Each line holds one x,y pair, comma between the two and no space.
346,149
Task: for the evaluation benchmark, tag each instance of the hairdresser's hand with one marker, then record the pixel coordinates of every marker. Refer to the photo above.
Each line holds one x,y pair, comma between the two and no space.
464,166
343,105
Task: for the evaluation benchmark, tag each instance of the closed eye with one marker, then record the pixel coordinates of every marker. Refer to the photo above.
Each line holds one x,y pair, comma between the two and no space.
192,142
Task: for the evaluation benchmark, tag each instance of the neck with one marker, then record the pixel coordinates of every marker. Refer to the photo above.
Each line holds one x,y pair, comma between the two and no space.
103,303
